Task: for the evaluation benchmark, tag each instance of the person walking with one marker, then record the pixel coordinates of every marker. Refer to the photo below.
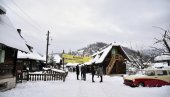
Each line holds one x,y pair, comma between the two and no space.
92,72
101,72
97,71
84,72
77,72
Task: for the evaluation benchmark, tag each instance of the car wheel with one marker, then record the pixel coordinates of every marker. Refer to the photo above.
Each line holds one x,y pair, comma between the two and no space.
141,84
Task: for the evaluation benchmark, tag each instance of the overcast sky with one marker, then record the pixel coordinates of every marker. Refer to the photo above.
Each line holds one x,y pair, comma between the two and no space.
74,24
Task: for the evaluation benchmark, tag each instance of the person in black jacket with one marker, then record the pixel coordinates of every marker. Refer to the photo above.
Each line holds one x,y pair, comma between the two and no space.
92,72
77,71
101,72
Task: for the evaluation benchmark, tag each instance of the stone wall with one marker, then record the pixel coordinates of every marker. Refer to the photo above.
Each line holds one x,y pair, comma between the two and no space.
7,83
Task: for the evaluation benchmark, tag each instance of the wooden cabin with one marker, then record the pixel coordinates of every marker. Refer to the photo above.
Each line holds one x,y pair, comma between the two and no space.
31,61
10,43
112,58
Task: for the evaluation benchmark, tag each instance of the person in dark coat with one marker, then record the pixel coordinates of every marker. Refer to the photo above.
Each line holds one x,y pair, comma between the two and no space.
101,72
77,71
92,72
84,70
81,72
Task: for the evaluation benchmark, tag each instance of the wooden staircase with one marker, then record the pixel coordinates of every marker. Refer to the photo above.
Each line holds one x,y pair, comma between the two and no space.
112,63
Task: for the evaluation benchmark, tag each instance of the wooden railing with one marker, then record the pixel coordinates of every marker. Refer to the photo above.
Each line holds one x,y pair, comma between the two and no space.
47,75
112,63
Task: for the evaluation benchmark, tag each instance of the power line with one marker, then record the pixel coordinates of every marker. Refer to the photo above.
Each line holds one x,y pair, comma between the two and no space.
25,14
22,17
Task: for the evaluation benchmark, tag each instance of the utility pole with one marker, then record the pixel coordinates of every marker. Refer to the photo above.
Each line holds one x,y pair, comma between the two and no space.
47,47
63,60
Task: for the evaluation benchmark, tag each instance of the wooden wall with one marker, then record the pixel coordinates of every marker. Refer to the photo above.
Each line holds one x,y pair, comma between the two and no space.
7,69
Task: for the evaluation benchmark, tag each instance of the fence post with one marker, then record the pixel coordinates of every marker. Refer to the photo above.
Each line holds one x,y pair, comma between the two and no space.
45,77
27,75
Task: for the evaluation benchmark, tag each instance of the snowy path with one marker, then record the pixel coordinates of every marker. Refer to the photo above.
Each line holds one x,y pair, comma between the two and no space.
111,87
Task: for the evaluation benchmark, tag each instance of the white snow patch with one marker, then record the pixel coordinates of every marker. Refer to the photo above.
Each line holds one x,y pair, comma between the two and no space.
57,70
72,64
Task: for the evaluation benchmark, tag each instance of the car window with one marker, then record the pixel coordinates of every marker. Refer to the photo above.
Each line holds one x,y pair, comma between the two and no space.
169,72
161,72
150,73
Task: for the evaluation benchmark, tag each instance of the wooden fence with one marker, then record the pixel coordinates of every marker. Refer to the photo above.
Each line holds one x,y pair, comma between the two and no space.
48,75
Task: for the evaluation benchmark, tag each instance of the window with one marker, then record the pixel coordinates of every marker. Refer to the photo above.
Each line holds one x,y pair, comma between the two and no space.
161,72
2,56
150,73
114,51
169,72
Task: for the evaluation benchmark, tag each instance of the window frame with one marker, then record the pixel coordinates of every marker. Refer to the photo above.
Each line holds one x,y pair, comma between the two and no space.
2,56
162,71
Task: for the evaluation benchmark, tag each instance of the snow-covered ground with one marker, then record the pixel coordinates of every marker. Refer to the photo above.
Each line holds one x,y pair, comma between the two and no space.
111,87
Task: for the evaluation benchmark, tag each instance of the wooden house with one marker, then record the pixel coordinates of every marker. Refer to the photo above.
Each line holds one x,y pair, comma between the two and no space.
31,60
112,58
10,43
165,57
161,61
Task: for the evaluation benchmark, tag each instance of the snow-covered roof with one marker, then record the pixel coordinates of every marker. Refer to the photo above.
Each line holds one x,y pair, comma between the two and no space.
89,62
53,69
31,55
101,55
72,64
125,53
163,57
9,35
57,58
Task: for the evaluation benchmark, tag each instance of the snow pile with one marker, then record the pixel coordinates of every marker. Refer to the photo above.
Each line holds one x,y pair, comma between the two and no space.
57,70
72,64
111,87
53,69
37,72
44,68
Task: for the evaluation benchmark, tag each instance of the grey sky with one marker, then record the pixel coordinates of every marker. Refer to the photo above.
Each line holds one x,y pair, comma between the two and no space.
75,23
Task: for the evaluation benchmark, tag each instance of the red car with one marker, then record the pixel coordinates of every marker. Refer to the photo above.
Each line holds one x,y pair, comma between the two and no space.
149,77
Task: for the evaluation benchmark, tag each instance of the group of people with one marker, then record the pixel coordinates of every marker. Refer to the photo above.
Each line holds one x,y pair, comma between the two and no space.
94,70
82,70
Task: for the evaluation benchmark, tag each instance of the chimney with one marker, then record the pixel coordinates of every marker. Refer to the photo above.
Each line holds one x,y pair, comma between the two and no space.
19,32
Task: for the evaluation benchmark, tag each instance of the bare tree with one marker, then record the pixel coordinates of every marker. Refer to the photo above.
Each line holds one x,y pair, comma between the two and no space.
165,38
